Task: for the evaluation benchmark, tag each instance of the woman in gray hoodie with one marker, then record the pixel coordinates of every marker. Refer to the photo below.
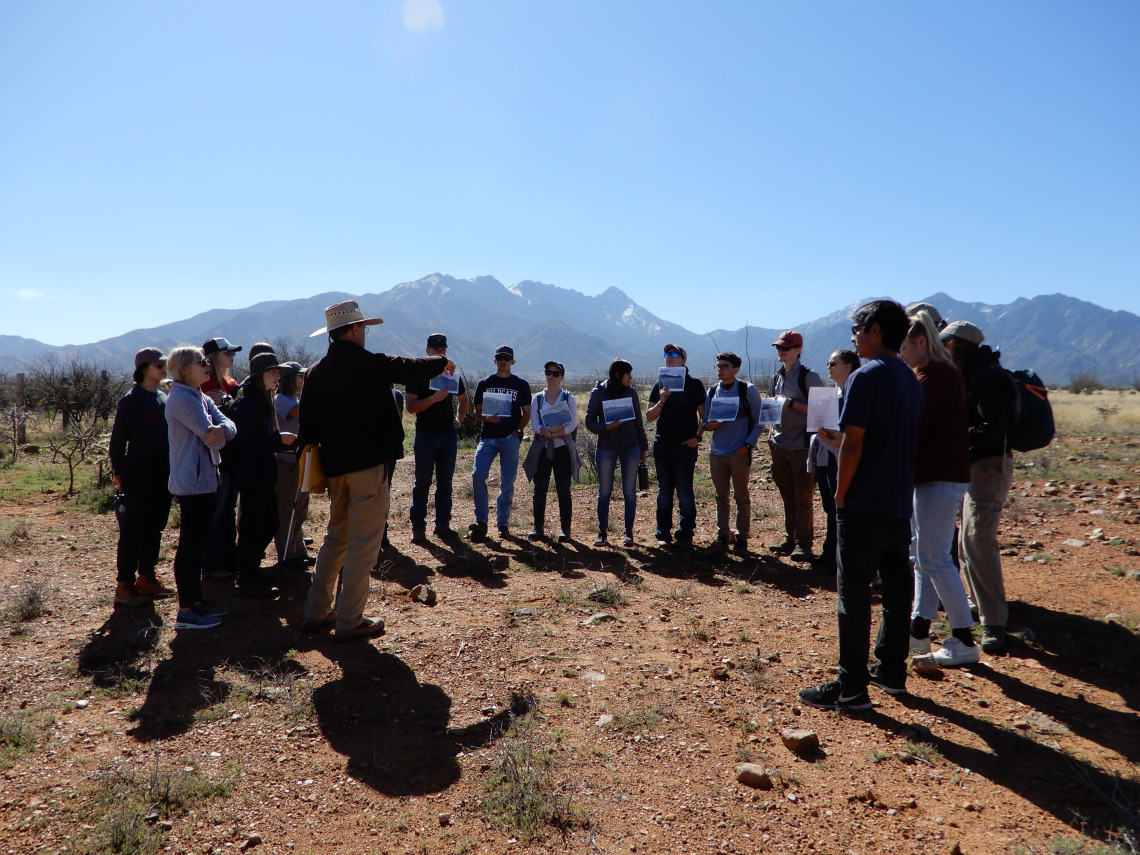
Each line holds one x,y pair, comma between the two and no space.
197,431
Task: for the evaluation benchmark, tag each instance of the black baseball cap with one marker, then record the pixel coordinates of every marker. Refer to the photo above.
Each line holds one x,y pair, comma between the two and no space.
437,340
215,345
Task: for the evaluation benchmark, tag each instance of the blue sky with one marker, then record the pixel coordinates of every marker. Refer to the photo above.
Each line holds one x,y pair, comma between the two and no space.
720,162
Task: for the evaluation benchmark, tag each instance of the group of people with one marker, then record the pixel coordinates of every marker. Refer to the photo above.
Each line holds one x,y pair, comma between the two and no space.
925,412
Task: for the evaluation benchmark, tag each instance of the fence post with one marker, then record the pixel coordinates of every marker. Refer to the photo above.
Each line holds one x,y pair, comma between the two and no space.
21,429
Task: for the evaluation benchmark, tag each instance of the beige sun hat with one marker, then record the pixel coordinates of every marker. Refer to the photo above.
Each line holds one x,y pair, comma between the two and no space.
341,315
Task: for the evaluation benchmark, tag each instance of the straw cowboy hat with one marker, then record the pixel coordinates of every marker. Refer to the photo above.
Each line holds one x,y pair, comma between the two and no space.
341,315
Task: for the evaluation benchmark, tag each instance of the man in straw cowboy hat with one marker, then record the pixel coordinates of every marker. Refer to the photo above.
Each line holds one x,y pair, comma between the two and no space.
348,410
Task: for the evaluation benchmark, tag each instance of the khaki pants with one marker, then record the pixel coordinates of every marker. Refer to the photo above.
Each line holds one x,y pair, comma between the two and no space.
978,549
797,489
732,468
359,510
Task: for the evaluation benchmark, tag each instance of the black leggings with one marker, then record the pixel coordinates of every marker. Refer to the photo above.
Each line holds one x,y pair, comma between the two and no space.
142,517
560,466
197,517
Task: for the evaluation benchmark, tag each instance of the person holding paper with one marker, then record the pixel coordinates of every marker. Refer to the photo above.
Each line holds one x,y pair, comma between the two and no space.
554,417
439,415
823,457
941,477
292,506
502,405
678,414
874,500
730,459
789,446
621,439
349,411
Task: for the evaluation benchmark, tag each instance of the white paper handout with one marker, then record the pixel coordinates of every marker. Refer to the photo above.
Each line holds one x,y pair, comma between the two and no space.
555,414
672,379
617,410
823,408
497,404
771,410
450,382
723,408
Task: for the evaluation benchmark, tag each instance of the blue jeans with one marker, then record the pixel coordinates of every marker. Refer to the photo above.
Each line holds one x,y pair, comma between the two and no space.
507,448
866,545
434,455
936,505
606,461
675,465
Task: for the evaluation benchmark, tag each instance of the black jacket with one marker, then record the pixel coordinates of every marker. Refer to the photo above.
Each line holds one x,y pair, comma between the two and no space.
348,410
991,404
251,455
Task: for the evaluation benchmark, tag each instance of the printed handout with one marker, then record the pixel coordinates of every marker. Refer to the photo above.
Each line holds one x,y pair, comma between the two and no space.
450,382
618,410
497,404
672,379
823,408
771,410
723,409
555,414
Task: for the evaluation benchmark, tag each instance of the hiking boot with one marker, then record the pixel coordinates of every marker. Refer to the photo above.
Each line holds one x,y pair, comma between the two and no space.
718,546
783,548
477,532
564,536
993,639
444,532
367,628
955,653
740,547
151,587
920,646
829,696
190,619
311,625
419,537
802,553
504,531
600,540
535,534
127,594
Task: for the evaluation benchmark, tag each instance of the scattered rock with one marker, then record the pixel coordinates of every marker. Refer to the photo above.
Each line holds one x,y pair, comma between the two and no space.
445,819
1044,723
799,740
719,672
916,733
425,594
600,617
1073,542
526,611
593,676
604,720
250,841
753,775
81,704
166,825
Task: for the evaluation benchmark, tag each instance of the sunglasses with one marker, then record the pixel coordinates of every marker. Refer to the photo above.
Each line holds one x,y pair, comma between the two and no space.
502,357
832,364
550,373
161,365
783,348
856,329
672,354
205,363
720,366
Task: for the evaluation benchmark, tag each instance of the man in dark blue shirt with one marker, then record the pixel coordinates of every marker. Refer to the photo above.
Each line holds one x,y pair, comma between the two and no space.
874,501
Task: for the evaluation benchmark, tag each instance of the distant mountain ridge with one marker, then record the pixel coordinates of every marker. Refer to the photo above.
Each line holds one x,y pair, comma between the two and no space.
1057,335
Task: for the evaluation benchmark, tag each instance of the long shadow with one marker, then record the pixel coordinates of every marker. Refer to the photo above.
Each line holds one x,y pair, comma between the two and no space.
119,651
1040,773
457,559
393,729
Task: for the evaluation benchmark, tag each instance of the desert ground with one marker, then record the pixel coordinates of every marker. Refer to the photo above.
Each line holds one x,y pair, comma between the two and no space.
566,698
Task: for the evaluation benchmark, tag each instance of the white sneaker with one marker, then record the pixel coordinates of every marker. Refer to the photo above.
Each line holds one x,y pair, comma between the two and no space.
954,654
920,646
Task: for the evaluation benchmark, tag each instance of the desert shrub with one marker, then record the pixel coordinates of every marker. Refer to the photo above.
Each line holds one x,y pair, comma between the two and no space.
1085,383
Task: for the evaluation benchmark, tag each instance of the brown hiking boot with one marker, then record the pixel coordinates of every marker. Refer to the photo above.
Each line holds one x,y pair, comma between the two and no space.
153,588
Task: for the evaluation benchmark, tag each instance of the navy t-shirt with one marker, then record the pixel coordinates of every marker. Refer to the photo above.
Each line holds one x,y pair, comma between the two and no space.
883,398
518,389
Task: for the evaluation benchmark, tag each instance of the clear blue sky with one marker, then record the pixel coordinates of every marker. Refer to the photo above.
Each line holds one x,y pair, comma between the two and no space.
720,162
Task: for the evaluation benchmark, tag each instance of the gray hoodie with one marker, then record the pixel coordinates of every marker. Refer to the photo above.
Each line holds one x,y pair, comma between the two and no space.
193,464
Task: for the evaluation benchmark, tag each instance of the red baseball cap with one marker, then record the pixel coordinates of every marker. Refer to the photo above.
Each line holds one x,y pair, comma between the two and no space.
790,338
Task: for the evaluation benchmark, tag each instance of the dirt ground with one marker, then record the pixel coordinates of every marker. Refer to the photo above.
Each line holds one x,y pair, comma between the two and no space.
505,703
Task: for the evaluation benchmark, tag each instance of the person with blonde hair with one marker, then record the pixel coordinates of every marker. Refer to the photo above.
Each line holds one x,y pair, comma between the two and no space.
941,476
196,431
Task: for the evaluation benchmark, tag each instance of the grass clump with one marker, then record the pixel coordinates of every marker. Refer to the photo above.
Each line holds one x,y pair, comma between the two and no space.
20,733
609,594
641,718
30,601
14,532
523,797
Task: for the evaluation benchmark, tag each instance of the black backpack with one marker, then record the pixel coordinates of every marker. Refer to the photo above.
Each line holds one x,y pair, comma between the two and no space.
1033,427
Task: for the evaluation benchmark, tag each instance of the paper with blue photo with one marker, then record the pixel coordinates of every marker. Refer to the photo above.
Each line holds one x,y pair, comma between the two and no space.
723,408
618,410
823,408
672,379
771,410
450,382
497,403
555,414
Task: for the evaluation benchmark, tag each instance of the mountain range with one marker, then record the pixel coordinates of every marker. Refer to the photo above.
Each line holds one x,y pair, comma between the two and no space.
1059,336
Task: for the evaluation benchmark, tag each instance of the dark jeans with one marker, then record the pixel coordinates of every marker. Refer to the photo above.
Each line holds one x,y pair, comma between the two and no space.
220,549
434,455
560,466
197,513
146,507
825,478
868,545
675,464
257,523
